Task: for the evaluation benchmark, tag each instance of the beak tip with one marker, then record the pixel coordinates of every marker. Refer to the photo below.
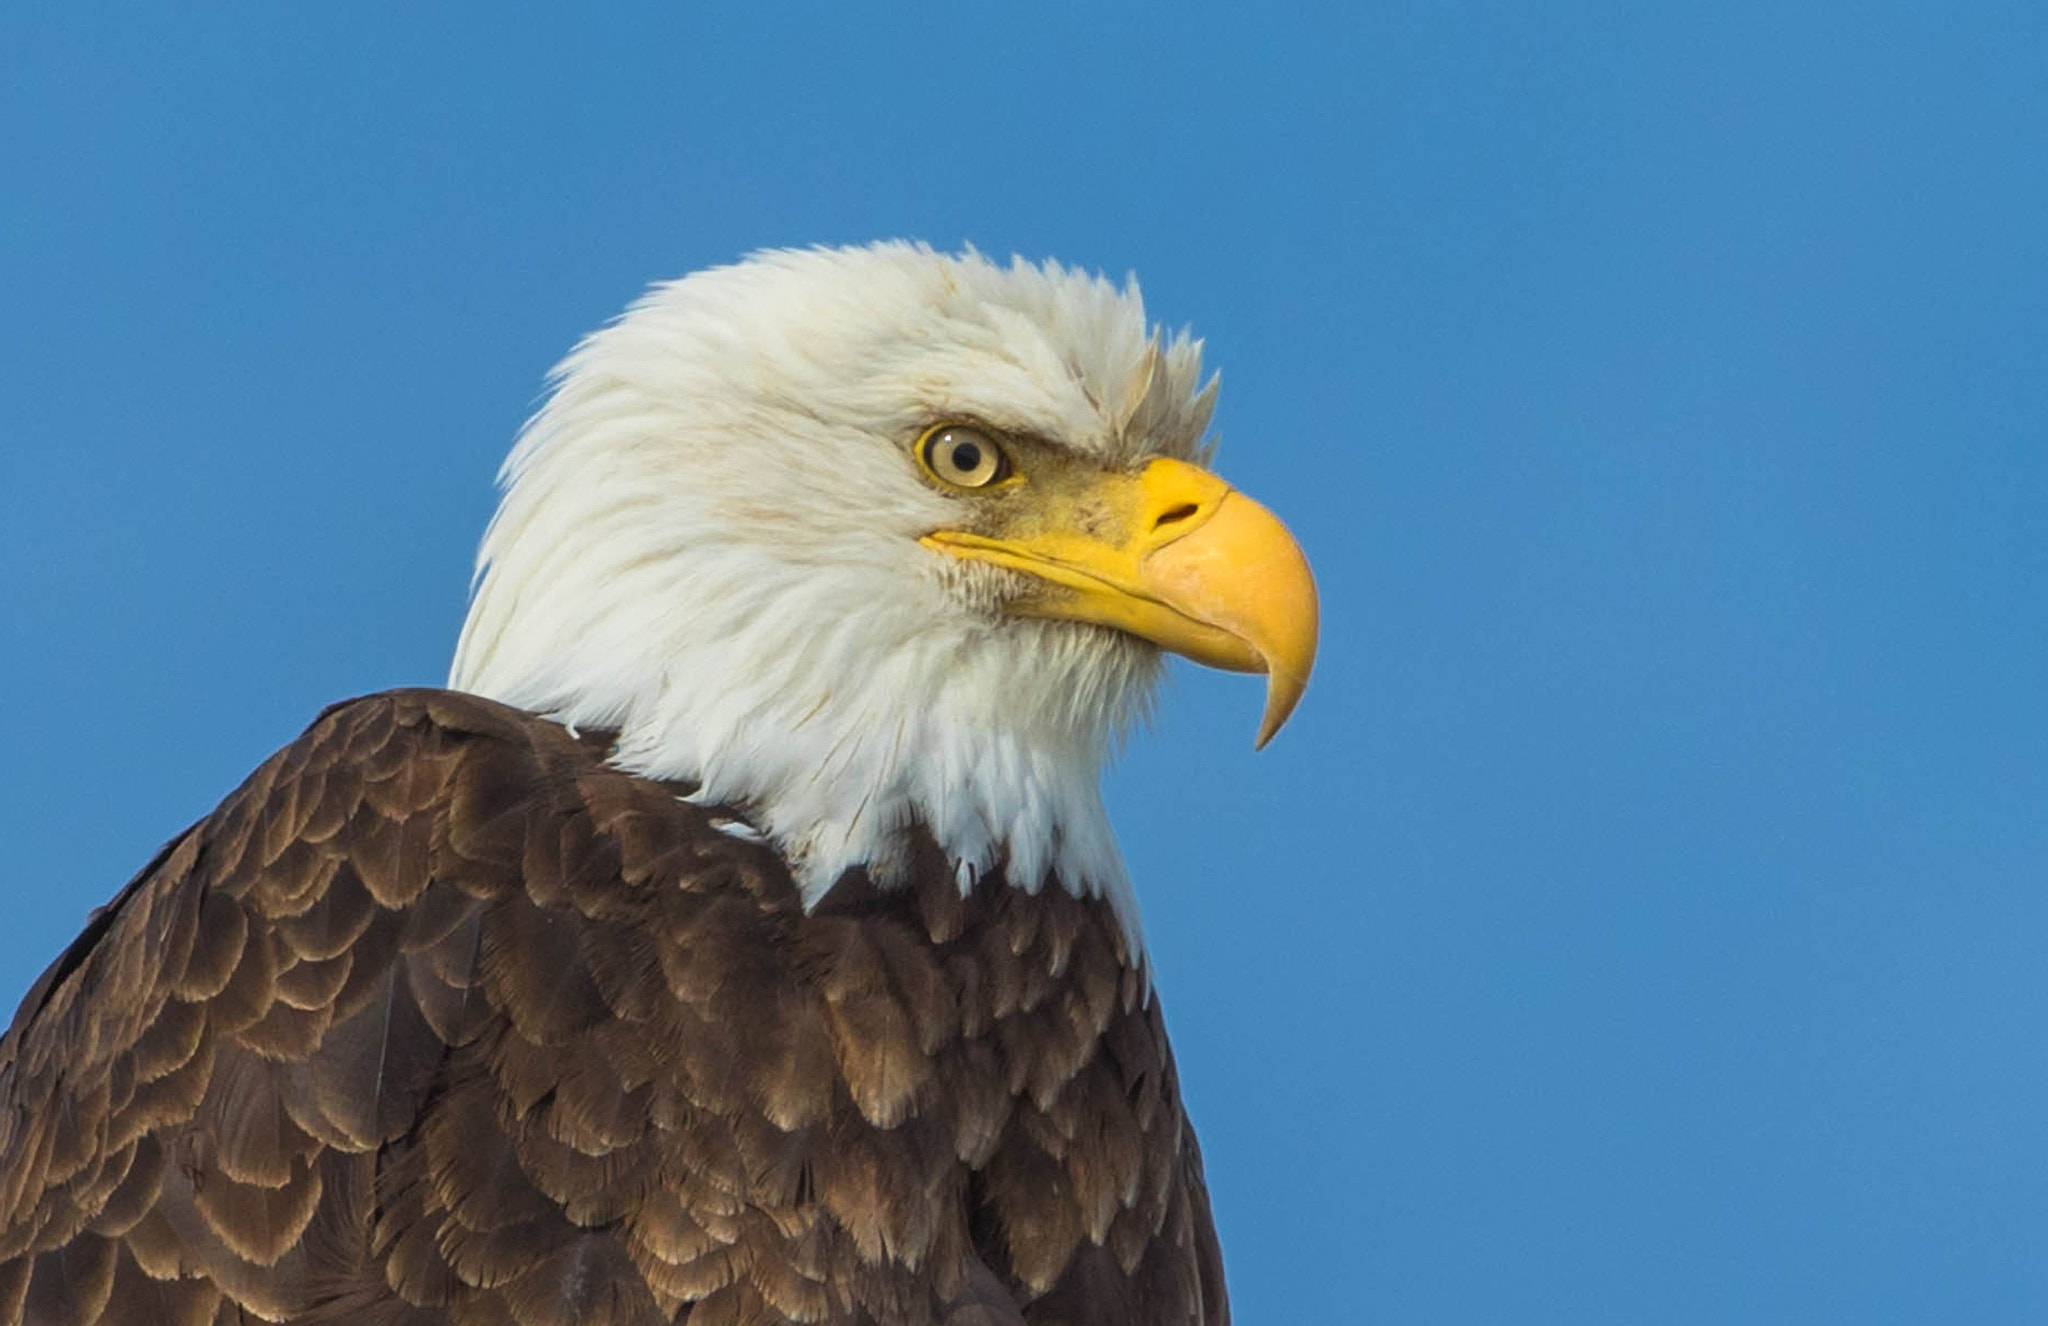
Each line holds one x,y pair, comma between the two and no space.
1282,694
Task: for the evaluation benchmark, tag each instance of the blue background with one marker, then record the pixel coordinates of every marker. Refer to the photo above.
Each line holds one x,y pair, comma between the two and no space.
1643,918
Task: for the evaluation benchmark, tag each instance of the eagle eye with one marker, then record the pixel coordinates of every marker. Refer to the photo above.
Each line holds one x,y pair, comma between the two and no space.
963,457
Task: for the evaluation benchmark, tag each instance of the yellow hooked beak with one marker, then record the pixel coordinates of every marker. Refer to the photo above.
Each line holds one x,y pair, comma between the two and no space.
1174,555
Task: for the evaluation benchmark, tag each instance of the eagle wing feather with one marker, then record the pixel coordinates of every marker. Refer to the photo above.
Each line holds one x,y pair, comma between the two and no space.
440,1019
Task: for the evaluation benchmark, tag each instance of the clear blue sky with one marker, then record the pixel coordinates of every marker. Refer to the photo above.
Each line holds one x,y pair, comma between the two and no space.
1645,918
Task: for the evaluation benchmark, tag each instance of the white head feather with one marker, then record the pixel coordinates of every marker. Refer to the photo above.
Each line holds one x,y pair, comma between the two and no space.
709,541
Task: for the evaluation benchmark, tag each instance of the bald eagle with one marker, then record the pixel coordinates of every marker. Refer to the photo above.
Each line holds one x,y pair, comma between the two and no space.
741,937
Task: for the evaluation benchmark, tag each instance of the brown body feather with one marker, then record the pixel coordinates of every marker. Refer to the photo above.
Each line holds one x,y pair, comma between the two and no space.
439,1019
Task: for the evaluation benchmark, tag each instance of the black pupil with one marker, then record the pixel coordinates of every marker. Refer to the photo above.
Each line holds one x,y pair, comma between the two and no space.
966,457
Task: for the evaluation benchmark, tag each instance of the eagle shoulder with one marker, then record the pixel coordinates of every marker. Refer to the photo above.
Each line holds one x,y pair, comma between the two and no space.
439,1018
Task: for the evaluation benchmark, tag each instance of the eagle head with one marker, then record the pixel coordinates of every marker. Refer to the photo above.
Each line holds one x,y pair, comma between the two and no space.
868,539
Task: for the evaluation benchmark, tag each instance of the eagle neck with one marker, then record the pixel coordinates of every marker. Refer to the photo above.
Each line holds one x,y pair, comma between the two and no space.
840,793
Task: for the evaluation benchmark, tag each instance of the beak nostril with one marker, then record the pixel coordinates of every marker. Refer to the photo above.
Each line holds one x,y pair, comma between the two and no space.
1175,516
